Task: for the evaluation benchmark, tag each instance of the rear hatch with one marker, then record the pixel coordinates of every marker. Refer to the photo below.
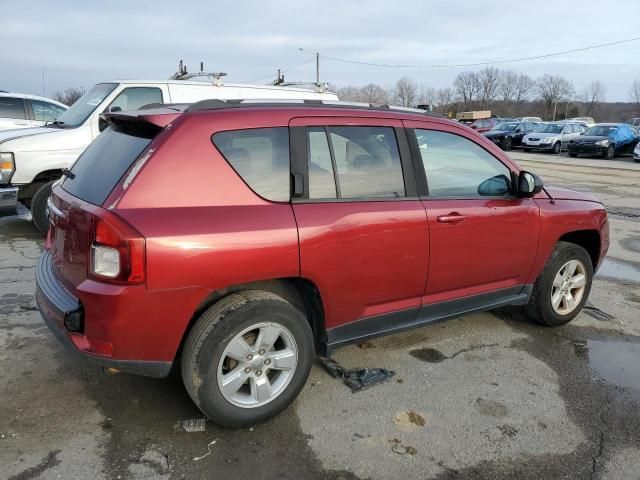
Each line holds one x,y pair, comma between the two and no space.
80,220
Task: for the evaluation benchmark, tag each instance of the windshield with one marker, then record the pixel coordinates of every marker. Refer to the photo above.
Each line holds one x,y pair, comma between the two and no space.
550,128
80,111
601,130
505,126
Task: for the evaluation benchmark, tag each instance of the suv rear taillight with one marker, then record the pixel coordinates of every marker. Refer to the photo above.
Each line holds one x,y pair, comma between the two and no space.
117,253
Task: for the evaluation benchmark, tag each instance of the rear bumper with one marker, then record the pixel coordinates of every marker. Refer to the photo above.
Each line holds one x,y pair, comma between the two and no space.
56,304
8,197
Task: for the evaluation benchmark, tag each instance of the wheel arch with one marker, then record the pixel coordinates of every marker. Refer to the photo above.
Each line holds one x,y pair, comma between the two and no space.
302,293
29,190
587,239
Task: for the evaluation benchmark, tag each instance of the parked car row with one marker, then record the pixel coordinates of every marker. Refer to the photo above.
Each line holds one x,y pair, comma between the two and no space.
576,136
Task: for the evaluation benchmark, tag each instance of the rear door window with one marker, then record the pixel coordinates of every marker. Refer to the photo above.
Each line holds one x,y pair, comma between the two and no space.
12,107
354,162
101,166
261,157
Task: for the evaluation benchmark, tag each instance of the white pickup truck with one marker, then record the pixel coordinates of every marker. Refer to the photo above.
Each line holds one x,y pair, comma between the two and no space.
31,159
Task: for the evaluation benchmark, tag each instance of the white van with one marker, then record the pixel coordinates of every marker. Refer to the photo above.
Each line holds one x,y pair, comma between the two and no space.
31,159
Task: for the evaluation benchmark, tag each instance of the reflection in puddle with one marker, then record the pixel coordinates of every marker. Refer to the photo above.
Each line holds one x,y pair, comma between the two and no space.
616,362
619,270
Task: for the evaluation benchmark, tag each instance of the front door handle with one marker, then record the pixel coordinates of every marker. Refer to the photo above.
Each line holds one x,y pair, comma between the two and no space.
453,217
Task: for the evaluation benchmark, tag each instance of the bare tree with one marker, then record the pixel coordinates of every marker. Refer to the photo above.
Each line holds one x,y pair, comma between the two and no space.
349,93
466,86
508,86
69,96
406,92
426,95
593,96
553,89
373,93
445,97
634,91
524,88
488,85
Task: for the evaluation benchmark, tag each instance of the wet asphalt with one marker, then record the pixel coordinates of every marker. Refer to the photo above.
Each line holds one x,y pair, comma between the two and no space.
487,395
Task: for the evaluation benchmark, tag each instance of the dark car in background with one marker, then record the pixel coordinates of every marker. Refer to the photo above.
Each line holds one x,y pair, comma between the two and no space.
605,140
507,134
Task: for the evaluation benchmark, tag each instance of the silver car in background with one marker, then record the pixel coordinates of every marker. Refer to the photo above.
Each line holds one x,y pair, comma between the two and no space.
552,136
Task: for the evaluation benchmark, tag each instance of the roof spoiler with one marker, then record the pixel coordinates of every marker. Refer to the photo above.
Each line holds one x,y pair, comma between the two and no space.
159,115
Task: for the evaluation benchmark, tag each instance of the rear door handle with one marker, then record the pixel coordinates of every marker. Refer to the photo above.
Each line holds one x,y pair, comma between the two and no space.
453,217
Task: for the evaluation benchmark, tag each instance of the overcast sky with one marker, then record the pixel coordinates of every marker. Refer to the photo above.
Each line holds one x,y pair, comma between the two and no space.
81,42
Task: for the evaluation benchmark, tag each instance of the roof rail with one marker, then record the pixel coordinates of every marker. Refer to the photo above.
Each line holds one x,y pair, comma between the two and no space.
217,104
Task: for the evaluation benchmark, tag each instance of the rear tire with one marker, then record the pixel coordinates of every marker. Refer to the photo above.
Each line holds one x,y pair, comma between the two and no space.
39,207
557,277
228,386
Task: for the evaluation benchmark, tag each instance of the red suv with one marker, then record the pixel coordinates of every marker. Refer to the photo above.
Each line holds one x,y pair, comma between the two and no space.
240,240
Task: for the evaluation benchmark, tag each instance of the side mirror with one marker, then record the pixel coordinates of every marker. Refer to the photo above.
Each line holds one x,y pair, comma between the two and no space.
494,187
115,109
529,184
102,124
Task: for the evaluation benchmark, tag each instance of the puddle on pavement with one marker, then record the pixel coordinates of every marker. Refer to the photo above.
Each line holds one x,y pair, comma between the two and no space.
619,270
615,362
430,355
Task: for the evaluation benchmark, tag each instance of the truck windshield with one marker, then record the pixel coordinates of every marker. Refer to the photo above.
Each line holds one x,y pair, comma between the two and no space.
85,105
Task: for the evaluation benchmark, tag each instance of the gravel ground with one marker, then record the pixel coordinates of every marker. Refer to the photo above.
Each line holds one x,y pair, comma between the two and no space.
484,396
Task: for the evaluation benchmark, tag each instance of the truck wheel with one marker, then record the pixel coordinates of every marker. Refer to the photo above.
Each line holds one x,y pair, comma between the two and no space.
247,358
563,286
39,207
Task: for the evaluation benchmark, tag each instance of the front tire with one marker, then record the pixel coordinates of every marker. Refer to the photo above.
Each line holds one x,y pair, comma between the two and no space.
610,153
556,148
39,207
563,287
507,144
247,358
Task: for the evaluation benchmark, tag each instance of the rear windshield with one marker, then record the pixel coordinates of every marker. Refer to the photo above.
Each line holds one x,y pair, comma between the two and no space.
101,166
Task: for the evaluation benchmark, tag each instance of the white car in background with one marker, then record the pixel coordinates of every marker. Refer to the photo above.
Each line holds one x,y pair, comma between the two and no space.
19,110
552,136
31,159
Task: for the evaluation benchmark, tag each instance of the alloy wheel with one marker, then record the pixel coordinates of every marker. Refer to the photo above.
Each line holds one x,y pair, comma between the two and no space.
257,365
568,287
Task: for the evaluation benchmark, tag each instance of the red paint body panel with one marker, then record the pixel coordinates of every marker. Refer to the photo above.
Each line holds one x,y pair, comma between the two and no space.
204,229
367,258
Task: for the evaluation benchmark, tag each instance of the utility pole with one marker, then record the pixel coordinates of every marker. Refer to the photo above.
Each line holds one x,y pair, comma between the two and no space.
318,69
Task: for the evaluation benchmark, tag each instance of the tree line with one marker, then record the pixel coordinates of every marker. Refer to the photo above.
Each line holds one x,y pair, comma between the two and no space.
505,92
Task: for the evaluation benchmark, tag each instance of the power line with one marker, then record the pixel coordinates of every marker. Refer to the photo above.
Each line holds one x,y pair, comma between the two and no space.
282,71
478,64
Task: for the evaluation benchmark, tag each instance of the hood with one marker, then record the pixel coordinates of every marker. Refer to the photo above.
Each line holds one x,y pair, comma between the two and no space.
591,138
44,139
542,135
559,193
24,132
495,133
